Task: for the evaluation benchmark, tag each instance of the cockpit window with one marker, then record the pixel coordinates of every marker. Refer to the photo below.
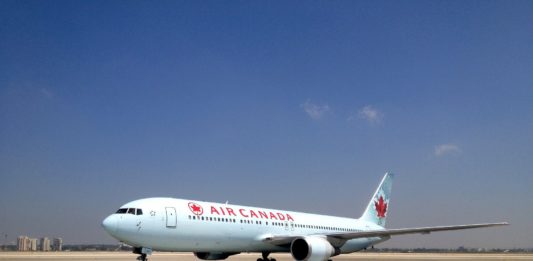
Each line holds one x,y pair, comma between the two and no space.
133,211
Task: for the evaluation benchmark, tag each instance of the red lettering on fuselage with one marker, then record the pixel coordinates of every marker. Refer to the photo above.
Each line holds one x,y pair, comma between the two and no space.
230,211
252,213
249,213
289,218
262,214
242,212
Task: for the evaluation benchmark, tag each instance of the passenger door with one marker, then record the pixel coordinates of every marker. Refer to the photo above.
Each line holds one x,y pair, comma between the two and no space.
171,217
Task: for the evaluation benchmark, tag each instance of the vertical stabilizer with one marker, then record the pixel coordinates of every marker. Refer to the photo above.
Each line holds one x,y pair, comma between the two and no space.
378,207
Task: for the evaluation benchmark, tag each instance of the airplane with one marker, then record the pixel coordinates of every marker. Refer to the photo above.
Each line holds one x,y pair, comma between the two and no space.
215,231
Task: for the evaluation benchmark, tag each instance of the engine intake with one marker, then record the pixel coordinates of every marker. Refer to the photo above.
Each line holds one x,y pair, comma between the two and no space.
312,249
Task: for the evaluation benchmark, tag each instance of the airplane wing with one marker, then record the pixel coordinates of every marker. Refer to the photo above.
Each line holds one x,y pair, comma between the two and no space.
402,231
334,238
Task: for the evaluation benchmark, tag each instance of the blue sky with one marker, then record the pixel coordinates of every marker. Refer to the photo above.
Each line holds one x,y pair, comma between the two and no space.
282,104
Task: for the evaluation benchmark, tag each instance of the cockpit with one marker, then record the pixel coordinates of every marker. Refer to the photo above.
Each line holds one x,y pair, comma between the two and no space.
133,211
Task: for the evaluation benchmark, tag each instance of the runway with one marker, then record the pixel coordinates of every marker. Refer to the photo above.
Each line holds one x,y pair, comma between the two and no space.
124,256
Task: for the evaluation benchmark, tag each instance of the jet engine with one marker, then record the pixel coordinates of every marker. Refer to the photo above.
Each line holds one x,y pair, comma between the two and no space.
212,256
312,248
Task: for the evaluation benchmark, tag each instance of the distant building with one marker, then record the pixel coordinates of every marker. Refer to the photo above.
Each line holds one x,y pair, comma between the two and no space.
45,244
33,244
23,243
58,244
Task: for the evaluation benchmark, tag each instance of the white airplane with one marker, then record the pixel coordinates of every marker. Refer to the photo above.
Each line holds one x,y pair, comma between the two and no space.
215,231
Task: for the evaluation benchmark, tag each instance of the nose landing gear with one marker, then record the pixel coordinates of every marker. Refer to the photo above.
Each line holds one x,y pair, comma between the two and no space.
143,253
265,257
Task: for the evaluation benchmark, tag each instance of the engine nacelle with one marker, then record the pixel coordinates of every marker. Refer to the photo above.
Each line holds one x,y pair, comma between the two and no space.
312,248
212,256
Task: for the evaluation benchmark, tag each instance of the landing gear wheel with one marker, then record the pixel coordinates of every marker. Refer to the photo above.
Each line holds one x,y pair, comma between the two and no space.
142,257
265,257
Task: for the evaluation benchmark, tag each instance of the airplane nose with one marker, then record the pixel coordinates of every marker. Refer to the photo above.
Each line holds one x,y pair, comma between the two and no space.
110,224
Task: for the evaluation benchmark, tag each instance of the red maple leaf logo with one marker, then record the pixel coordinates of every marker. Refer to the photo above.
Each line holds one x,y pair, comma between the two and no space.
381,207
195,208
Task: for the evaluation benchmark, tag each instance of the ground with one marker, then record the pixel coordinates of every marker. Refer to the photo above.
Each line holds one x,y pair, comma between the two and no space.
123,256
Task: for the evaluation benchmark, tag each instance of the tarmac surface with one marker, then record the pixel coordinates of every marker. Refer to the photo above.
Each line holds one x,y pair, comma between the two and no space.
125,256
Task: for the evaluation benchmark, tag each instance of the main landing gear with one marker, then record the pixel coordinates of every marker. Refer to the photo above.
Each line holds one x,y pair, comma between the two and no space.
265,257
142,257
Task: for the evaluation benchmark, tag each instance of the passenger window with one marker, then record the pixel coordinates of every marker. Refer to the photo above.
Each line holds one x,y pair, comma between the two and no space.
139,211
131,211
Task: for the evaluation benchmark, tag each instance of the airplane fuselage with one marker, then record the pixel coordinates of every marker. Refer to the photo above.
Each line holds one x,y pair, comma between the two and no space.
169,224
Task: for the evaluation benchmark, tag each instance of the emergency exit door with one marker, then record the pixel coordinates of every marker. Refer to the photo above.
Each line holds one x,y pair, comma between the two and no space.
171,217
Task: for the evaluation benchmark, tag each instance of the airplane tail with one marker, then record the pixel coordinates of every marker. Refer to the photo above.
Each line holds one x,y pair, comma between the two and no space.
378,207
